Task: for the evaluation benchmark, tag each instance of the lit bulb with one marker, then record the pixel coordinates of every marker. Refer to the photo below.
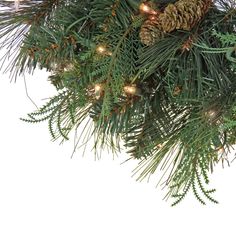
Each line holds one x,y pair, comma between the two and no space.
146,9
98,90
103,50
132,90
221,150
211,114
152,18
69,67
109,53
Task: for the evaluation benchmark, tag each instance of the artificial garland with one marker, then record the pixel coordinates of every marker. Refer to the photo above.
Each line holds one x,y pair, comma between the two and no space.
157,75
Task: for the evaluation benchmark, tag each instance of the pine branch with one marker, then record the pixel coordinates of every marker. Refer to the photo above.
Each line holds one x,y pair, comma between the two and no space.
63,113
179,110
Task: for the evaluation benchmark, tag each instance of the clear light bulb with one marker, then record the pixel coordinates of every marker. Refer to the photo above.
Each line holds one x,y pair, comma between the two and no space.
146,9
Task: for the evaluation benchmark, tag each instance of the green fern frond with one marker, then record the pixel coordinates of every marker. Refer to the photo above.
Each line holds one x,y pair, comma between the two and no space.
61,112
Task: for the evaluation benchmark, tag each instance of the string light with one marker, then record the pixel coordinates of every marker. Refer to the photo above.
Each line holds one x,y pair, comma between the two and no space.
68,67
211,114
132,90
98,90
152,17
145,8
221,150
102,50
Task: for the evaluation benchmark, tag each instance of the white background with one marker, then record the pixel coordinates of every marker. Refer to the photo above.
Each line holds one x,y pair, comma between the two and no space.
43,192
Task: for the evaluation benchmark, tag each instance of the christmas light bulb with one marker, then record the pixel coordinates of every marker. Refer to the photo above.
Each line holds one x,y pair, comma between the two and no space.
132,90
221,150
211,114
98,90
152,18
102,50
147,9
68,67
109,53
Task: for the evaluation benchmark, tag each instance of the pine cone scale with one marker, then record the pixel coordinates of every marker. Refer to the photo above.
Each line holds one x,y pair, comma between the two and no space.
182,15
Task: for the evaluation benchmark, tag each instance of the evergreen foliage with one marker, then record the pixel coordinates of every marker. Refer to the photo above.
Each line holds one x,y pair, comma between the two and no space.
172,103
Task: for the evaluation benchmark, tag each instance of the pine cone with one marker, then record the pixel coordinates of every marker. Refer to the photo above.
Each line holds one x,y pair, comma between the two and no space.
151,31
184,14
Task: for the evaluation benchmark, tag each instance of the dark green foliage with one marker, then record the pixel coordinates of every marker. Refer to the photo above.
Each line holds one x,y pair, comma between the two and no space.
182,114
